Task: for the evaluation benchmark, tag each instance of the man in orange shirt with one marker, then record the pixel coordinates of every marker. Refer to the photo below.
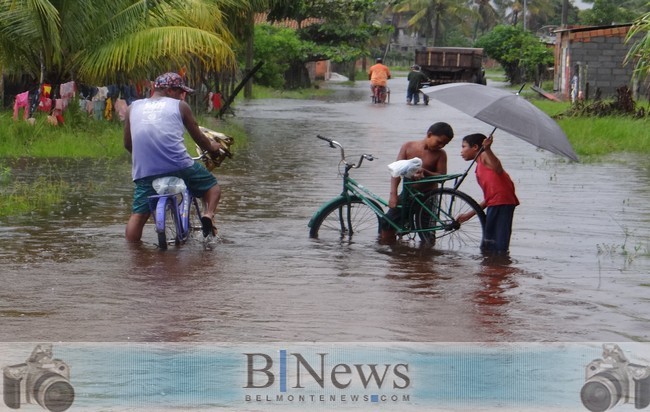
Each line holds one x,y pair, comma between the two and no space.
378,74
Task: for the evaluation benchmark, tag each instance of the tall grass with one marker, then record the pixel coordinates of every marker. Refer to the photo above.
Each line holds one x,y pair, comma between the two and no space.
261,92
24,197
78,137
605,135
598,136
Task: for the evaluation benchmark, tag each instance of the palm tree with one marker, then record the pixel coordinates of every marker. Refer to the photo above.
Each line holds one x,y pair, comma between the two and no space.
241,20
538,13
100,42
488,17
431,17
639,53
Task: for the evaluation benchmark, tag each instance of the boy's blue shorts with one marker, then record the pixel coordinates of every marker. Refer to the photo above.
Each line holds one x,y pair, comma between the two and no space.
197,178
498,228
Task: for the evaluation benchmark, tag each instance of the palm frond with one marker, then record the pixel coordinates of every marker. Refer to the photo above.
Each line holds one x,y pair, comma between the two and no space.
168,47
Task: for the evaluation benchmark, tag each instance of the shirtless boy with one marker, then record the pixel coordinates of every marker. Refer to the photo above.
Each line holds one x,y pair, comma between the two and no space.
434,162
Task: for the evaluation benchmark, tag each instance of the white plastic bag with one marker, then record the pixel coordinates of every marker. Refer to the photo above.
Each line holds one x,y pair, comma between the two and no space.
169,185
405,168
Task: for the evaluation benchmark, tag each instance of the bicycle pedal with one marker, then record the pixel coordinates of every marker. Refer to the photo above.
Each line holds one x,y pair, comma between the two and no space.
455,225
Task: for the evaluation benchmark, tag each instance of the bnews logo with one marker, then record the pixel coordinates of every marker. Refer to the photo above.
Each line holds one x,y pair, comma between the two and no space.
298,374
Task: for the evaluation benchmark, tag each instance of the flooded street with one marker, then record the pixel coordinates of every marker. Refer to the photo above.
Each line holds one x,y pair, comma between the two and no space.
578,267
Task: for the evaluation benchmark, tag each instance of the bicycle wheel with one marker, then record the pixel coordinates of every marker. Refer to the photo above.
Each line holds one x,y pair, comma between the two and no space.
443,230
382,95
347,220
170,234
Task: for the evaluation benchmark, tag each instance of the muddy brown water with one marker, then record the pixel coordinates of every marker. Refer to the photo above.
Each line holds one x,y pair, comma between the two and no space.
578,268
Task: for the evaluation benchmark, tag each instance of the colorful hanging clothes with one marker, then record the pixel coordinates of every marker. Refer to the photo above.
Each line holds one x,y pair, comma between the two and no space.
22,101
67,90
108,110
120,108
45,104
46,89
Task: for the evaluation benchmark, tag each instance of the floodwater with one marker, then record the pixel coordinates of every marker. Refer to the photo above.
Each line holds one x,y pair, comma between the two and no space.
578,267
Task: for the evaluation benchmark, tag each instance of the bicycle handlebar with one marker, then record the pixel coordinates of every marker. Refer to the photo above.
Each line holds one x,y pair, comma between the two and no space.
334,144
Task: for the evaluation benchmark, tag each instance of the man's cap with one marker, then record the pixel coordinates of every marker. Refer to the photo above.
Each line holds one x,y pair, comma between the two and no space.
379,60
171,80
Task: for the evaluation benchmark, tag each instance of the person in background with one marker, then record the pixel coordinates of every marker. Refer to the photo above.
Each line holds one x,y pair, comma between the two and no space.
378,74
153,134
499,195
434,162
415,78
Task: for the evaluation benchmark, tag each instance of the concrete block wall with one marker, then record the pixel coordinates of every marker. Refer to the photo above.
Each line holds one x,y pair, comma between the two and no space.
601,52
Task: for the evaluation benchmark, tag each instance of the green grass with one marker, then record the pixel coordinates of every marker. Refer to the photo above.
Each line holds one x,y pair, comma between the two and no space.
261,92
78,137
24,197
496,74
605,135
595,137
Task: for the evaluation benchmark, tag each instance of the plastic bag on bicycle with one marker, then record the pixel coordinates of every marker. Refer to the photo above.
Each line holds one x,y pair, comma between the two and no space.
169,185
405,168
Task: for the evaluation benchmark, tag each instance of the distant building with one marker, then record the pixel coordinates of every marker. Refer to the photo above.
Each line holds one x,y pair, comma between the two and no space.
590,59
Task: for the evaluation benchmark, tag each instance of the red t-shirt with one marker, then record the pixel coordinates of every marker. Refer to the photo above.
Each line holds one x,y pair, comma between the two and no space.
498,189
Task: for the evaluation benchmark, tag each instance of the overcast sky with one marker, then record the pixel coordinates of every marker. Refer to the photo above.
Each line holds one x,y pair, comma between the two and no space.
582,5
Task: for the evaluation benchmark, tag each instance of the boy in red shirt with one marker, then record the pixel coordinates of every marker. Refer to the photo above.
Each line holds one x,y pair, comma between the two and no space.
498,192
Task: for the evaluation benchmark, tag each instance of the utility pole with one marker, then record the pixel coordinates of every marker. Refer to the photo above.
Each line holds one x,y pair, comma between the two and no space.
525,12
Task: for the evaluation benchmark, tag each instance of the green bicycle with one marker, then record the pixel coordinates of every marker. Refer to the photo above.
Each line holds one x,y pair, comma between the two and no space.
356,215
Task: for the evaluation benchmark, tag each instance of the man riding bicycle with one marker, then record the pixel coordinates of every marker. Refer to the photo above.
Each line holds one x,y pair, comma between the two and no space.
378,74
153,134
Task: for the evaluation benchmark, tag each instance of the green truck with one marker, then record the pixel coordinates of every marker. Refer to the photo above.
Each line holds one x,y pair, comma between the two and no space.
451,64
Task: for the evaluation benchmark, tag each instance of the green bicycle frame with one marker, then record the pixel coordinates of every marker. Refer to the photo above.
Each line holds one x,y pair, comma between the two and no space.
352,188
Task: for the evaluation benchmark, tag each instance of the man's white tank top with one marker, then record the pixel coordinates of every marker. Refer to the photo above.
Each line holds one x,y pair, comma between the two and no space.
157,137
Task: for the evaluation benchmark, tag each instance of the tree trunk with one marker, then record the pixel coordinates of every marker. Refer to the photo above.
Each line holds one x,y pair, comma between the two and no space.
2,86
248,87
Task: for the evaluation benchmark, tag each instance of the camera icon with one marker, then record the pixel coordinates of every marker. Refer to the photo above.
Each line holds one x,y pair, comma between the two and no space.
40,380
613,380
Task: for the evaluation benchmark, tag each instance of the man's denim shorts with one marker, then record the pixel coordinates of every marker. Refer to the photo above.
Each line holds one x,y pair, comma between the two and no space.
197,178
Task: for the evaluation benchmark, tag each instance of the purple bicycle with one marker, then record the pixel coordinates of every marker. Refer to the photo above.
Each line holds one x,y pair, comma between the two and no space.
176,212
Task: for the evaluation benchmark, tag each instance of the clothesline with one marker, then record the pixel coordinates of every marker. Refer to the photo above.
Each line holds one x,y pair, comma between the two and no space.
95,100
98,101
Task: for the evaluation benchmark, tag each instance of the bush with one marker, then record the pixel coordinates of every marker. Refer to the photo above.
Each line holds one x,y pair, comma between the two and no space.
279,48
521,54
